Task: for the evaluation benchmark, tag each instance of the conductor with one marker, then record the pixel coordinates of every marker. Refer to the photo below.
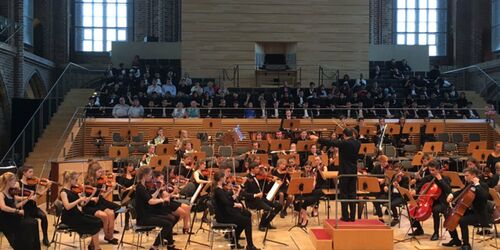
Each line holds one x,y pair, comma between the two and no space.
348,155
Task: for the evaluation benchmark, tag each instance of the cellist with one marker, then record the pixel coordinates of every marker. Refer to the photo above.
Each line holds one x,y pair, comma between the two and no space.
476,214
439,206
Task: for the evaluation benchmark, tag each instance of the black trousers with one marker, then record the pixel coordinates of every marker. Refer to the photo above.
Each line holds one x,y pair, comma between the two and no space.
33,211
307,200
395,202
166,225
437,209
243,222
271,209
347,188
24,234
465,221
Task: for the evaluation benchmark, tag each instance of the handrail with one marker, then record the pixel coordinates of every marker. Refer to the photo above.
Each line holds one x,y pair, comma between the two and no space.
42,103
471,67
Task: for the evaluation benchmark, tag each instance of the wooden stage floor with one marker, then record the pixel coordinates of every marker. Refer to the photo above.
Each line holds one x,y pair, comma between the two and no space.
296,238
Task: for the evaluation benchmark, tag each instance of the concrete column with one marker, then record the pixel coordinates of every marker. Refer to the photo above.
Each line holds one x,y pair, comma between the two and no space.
19,45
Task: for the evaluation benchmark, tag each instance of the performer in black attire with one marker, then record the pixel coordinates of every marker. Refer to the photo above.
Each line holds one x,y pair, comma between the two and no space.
160,138
21,232
255,198
348,156
440,205
281,173
31,209
478,213
144,203
127,188
227,210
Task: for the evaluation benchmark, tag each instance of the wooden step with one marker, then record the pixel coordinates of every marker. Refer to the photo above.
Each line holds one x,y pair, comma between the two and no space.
321,238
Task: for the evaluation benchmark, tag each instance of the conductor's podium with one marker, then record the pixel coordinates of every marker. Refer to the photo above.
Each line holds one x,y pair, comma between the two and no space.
361,234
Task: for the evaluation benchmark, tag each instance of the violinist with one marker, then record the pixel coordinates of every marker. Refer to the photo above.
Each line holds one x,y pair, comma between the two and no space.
282,174
160,138
424,170
183,136
254,195
228,210
476,214
313,151
380,131
361,123
186,148
439,206
98,206
146,158
186,166
493,158
144,206
30,183
401,139
490,178
21,231
199,176
398,180
72,215
127,188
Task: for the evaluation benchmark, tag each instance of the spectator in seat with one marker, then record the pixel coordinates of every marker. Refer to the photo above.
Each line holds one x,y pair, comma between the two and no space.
222,111
434,73
136,110
197,88
249,112
209,89
179,111
490,111
154,88
120,110
403,66
275,112
263,110
462,100
397,74
376,73
470,113
169,87
150,111
193,111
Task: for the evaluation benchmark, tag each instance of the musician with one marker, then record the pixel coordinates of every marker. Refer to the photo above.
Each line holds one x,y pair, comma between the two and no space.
439,206
98,206
361,123
21,231
348,156
401,139
303,136
256,148
159,138
380,131
476,214
227,210
282,174
493,158
146,158
255,198
186,167
489,178
424,170
144,202
127,188
424,137
381,169
186,148
313,151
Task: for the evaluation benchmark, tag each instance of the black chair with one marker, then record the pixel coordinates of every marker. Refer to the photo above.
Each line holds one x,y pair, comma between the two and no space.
474,137
61,228
140,231
221,228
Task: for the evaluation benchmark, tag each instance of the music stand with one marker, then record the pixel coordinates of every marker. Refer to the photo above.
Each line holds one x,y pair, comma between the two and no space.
434,128
165,149
159,162
263,145
433,147
411,128
117,152
303,146
367,148
196,143
98,134
393,129
417,159
298,187
211,123
288,156
198,156
389,173
481,154
129,132
368,184
475,145
405,193
291,124
339,130
324,158
279,144
328,192
193,201
456,182
368,130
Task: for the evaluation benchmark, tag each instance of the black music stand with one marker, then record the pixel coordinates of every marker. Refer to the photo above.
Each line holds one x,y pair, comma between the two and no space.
405,193
299,187
194,200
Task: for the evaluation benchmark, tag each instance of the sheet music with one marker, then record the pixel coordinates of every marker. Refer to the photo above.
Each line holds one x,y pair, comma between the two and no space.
274,190
196,194
238,132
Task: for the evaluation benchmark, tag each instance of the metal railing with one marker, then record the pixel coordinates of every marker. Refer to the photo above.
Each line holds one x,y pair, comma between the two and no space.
73,76
476,79
232,73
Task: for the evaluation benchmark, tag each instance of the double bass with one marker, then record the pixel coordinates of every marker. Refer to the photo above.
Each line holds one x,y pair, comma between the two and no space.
462,203
428,194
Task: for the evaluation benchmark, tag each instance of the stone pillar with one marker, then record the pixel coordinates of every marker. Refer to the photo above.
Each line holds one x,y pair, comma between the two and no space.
19,45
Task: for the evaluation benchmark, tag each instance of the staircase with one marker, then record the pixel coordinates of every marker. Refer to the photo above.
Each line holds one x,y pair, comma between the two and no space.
46,144
477,100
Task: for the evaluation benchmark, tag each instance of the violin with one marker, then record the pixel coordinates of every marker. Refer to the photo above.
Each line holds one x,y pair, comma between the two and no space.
238,180
266,177
18,192
87,189
104,181
207,172
40,181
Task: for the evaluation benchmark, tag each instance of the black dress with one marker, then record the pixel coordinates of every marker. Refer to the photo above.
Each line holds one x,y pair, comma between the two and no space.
101,204
21,232
491,161
33,211
74,218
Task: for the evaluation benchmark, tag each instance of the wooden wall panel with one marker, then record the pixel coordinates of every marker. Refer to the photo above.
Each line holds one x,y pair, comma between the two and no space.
219,33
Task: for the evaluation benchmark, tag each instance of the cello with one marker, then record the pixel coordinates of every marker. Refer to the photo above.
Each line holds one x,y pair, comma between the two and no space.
462,203
428,194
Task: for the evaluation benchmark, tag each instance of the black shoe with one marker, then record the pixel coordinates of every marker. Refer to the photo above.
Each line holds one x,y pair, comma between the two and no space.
252,248
46,242
237,246
381,220
417,232
116,232
126,228
434,237
352,219
186,231
262,228
282,214
113,241
466,247
394,222
271,226
453,243
344,219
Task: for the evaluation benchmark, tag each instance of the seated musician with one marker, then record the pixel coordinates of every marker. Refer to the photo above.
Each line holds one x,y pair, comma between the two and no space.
98,206
186,148
380,132
228,210
127,188
21,231
256,148
401,139
253,193
476,214
361,123
30,208
198,177
439,206
282,174
144,206
303,136
397,180
160,138
172,208
490,178
424,137
146,158
313,150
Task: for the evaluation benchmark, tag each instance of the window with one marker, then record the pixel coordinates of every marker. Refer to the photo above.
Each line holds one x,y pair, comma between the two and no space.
98,23
422,22
28,22
495,25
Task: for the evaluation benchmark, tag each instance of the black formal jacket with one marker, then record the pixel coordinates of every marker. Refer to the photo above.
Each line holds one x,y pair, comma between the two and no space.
348,154
444,185
224,205
479,205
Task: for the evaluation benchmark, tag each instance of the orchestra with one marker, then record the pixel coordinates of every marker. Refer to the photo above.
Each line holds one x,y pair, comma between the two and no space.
163,197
